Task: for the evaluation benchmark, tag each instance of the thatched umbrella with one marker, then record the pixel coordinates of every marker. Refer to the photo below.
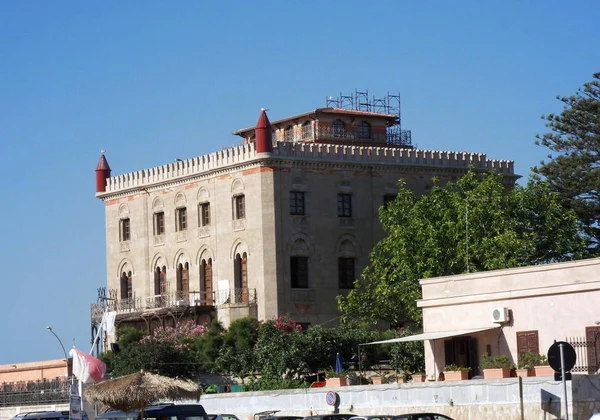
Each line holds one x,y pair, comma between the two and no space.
136,391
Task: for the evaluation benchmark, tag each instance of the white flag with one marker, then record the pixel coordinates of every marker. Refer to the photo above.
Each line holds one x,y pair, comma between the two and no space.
87,368
109,321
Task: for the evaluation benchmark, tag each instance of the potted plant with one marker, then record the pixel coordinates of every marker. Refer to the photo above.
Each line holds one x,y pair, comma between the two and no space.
495,367
454,372
379,379
333,378
419,377
525,364
402,377
541,366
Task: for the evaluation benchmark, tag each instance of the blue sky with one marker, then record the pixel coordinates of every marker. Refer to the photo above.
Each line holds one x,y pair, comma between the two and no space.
151,81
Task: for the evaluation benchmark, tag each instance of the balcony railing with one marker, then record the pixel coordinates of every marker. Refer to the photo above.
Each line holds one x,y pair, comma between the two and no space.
235,296
180,299
393,136
175,300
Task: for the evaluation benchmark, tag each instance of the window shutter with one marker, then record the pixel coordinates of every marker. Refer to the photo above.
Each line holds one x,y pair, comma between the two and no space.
528,341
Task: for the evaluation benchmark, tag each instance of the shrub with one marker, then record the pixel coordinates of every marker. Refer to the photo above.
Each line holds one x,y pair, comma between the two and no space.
496,362
331,373
456,368
526,360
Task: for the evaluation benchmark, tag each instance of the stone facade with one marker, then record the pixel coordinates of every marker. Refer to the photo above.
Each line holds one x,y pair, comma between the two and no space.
276,258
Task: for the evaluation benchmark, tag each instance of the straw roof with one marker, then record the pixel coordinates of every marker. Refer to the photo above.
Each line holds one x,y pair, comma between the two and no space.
140,389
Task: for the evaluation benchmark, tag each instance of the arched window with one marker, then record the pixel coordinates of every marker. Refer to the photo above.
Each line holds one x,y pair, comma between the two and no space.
364,130
206,282
126,285
288,134
299,265
183,280
241,278
160,280
307,132
339,129
346,265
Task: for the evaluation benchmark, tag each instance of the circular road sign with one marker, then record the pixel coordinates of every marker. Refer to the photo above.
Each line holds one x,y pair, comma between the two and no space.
569,355
331,398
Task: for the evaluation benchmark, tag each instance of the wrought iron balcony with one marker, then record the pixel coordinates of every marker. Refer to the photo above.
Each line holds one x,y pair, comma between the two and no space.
244,296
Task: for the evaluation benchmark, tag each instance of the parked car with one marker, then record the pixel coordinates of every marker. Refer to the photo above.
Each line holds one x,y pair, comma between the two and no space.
330,417
422,416
47,415
167,411
379,417
223,417
282,418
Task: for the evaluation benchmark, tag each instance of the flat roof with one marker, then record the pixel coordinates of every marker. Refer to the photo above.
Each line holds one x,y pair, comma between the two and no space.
336,111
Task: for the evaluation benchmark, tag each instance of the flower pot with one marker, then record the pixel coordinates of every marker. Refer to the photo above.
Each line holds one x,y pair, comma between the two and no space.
336,382
456,375
378,380
419,378
524,373
544,371
496,373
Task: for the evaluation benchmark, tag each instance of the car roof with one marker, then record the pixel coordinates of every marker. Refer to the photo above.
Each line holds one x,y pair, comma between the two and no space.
282,418
158,410
43,415
374,416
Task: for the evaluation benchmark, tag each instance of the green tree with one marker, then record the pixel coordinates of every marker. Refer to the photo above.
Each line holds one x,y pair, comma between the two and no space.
574,170
159,357
278,352
475,224
408,357
236,356
321,345
125,337
207,347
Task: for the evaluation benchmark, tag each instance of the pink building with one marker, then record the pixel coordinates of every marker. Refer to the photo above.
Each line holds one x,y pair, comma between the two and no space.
508,312
35,371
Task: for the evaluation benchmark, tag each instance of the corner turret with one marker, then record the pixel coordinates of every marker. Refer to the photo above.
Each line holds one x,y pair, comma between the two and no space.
264,134
102,173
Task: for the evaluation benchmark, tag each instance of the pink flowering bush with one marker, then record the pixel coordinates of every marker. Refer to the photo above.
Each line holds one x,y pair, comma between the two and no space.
181,336
285,323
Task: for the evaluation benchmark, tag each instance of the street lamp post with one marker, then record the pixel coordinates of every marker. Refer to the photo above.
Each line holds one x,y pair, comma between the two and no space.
49,328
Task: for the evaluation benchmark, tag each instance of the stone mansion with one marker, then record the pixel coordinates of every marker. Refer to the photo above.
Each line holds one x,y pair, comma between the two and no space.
281,224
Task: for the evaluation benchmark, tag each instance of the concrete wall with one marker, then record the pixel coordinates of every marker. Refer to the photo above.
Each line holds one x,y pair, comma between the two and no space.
464,400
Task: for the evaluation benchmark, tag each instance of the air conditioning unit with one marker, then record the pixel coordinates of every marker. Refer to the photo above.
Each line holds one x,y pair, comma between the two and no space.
500,315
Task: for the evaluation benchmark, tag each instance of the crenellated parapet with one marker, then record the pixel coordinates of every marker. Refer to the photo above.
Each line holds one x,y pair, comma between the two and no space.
317,152
182,168
392,155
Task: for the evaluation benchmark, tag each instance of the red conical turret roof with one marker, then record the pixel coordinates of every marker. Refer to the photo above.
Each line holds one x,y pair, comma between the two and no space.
102,163
102,173
264,134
